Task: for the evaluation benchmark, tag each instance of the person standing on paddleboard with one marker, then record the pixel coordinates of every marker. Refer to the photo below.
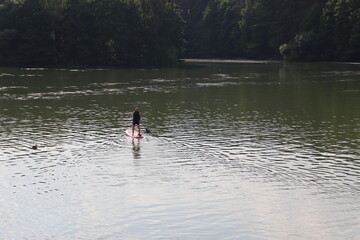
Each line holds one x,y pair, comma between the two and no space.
136,120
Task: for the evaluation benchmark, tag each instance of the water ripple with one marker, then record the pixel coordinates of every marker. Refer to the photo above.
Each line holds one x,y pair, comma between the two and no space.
228,153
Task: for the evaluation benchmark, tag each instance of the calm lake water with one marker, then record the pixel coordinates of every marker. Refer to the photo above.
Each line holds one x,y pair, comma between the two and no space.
236,151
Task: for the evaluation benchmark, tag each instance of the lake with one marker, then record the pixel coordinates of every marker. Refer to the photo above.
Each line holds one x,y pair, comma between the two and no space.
236,150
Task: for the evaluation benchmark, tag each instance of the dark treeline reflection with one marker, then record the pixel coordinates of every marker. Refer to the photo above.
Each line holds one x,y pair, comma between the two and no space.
90,32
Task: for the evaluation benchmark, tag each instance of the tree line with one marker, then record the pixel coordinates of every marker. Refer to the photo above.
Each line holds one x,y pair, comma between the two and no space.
90,32
306,30
160,32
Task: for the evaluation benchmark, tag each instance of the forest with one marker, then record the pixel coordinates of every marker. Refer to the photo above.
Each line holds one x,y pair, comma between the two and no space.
90,33
161,32
293,30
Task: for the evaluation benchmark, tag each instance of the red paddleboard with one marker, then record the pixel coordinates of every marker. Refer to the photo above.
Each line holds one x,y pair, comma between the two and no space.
130,134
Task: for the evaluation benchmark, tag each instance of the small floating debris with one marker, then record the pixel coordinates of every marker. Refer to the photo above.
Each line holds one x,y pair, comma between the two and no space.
34,147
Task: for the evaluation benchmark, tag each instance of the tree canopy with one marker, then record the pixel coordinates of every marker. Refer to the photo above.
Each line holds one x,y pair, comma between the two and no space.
160,32
90,32
306,30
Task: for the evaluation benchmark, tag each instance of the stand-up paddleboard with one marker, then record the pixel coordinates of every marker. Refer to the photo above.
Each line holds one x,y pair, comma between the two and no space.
130,134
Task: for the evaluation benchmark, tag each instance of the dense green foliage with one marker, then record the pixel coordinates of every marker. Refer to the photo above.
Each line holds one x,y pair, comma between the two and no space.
156,32
306,30
90,32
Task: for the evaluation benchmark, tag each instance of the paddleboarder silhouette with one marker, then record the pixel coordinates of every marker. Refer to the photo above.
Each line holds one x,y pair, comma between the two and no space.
136,120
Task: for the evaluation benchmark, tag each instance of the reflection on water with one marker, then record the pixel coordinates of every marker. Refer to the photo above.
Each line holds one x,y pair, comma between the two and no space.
136,148
236,151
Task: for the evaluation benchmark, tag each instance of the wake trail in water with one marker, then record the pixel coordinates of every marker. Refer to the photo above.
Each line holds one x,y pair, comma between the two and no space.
273,157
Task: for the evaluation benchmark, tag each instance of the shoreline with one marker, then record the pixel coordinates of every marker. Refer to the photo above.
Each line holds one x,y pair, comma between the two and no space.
205,60
181,61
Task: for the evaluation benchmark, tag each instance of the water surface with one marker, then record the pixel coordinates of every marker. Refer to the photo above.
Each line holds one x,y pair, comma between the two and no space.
236,151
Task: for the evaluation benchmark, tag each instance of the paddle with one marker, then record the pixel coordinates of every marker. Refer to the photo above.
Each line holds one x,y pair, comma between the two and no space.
147,130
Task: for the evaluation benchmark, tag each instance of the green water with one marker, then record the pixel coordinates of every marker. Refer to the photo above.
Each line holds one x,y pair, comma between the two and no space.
235,151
